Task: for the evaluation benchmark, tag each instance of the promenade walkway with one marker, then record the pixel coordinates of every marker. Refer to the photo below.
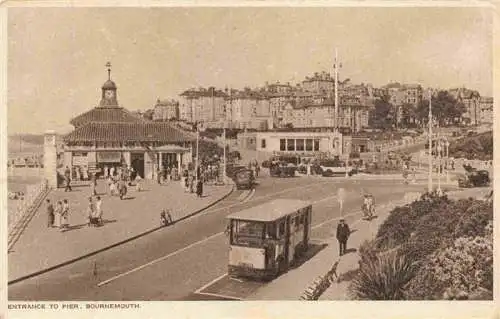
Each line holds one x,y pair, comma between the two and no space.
292,284
41,247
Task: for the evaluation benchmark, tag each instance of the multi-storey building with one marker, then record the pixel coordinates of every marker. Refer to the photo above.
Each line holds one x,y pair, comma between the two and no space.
248,109
403,95
202,105
471,100
166,110
486,107
353,113
319,82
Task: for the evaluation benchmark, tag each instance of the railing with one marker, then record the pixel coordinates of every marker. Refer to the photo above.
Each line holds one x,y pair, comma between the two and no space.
19,218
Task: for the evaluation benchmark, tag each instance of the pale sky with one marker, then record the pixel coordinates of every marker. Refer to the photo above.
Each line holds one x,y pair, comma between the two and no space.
56,56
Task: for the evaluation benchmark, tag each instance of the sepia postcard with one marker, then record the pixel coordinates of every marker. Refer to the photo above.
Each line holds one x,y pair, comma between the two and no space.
300,159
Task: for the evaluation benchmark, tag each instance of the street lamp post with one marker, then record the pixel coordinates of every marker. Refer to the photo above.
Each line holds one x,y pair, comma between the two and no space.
347,160
224,163
430,143
439,149
197,151
447,145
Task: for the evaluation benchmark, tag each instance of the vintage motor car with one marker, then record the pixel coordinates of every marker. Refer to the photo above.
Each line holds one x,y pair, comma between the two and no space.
244,179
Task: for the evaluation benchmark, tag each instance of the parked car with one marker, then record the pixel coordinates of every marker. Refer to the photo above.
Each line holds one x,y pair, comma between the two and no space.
282,169
474,178
244,179
334,167
232,169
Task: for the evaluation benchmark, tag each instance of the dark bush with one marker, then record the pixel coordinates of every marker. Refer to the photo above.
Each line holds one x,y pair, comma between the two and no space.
474,220
403,221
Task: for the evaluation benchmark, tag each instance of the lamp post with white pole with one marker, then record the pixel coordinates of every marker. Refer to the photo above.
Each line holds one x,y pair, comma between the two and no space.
447,145
439,149
197,150
225,156
430,142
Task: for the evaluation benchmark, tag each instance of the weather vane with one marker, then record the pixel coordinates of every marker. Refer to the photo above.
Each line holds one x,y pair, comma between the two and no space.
108,65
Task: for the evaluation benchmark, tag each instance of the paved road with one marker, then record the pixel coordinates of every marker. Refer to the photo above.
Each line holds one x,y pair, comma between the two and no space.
172,263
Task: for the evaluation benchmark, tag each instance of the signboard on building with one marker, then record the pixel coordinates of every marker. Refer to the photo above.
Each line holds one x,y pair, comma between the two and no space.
109,157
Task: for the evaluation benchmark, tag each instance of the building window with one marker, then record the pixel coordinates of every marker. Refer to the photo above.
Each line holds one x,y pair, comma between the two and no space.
290,145
262,143
300,145
316,145
282,144
309,145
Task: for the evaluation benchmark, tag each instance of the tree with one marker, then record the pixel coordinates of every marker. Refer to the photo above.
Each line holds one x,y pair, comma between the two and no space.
445,109
409,116
148,115
383,115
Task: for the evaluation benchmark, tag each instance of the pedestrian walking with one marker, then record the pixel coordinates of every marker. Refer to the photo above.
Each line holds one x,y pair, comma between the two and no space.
138,184
65,214
93,184
50,214
57,214
343,233
165,218
191,184
199,188
112,171
90,212
98,211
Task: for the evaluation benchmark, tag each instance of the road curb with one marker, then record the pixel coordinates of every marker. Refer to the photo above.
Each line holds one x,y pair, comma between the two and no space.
325,280
95,252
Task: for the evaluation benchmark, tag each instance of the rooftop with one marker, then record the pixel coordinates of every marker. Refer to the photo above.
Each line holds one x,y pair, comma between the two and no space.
105,115
134,132
270,211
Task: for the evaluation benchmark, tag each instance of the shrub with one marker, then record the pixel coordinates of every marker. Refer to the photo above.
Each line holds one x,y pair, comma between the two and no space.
475,219
403,221
456,272
383,278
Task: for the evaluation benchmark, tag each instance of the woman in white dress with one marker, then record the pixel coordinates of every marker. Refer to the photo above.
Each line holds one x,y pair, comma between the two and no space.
57,214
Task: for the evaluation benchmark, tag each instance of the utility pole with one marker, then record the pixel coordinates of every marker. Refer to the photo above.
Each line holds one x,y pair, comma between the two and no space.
439,149
336,79
430,142
197,149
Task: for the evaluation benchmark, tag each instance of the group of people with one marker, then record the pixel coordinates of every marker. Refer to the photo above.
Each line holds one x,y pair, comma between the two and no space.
94,211
192,184
255,167
58,216
167,173
126,173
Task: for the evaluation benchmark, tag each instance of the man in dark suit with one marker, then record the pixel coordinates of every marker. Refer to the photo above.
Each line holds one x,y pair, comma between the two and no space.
343,233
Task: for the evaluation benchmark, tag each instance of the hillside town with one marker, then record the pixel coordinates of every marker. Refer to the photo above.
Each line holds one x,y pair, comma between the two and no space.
308,105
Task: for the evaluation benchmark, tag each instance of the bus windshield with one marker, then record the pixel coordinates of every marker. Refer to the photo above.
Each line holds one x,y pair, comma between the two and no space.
247,233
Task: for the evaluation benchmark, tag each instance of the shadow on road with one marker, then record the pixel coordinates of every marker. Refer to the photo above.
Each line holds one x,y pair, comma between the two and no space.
312,251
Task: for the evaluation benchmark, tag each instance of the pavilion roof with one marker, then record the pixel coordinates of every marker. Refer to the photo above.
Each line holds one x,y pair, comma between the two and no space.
106,115
134,132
